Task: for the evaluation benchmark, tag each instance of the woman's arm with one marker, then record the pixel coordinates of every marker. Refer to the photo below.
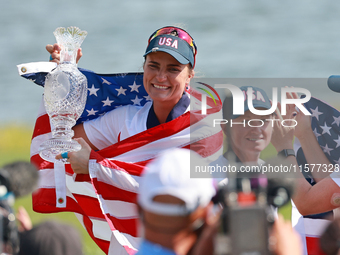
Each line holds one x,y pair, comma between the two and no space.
308,199
322,197
310,146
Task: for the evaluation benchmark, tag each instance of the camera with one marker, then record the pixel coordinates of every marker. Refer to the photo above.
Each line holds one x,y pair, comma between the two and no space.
9,236
250,201
16,180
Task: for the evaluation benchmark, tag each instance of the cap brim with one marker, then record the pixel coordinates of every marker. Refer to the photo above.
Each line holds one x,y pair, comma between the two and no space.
175,54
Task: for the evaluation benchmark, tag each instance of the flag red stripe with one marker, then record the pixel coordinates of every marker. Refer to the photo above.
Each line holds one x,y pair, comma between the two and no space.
42,125
313,246
82,178
128,226
44,201
109,192
90,206
147,136
40,163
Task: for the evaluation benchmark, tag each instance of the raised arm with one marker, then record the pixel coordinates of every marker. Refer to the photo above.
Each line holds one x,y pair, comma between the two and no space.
310,146
323,196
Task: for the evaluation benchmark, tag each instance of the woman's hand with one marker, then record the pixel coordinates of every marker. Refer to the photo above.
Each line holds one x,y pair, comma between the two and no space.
55,50
79,160
283,134
24,220
284,239
304,128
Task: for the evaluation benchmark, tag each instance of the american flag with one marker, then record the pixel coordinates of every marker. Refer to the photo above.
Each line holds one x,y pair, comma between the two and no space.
325,122
104,201
326,128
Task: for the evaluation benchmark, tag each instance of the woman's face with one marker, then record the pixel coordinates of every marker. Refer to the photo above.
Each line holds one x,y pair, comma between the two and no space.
248,141
165,78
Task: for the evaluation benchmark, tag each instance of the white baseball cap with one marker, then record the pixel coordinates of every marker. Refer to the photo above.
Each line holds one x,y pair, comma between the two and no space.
169,174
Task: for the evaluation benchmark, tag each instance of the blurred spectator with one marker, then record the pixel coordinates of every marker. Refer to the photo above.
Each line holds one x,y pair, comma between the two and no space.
330,239
50,237
285,240
9,238
173,207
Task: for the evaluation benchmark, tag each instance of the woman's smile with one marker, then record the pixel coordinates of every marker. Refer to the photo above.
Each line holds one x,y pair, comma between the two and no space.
165,78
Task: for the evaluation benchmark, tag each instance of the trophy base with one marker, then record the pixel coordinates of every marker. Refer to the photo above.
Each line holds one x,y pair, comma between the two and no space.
49,149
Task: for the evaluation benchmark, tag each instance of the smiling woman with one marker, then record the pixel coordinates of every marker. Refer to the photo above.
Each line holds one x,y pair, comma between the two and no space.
168,68
248,141
165,80
128,137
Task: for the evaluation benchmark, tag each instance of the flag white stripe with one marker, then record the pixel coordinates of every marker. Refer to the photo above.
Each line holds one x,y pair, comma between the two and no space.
36,141
46,180
80,188
101,229
119,209
117,178
315,227
36,67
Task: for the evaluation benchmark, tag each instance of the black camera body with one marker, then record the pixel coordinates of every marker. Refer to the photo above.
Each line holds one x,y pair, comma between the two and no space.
17,179
249,208
9,235
249,229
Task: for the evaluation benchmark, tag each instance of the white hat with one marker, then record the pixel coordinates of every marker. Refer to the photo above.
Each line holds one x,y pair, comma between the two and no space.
169,174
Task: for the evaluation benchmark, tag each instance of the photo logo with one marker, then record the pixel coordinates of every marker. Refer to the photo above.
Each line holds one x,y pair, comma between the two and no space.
239,99
204,97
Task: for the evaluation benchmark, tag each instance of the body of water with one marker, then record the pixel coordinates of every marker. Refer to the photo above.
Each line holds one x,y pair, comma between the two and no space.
239,39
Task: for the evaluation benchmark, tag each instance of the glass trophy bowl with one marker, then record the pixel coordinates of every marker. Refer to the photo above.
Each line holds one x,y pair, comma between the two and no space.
65,94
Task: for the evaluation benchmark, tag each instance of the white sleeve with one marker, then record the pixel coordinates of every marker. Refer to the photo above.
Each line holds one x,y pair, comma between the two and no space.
103,131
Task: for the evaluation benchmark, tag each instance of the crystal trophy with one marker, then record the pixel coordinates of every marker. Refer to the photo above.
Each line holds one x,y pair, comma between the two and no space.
65,94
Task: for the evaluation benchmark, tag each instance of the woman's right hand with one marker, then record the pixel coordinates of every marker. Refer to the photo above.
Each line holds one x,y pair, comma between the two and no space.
79,160
303,128
55,49
284,239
